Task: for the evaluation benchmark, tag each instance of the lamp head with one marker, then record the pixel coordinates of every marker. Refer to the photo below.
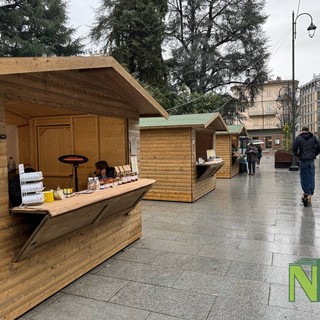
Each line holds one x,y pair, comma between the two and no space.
312,30
279,99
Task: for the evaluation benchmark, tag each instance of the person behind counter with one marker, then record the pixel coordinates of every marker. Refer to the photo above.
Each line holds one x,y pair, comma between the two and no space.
103,171
15,189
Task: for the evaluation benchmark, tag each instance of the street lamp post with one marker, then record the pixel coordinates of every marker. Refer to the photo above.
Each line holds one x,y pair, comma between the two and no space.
311,30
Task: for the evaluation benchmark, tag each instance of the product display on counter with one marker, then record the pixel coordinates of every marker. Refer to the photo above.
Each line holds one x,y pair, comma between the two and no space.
31,187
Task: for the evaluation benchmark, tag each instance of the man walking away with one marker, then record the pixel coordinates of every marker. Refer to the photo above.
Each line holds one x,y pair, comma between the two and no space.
259,155
306,146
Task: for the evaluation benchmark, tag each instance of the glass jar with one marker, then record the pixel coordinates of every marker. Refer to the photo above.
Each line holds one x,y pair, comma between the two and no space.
90,185
96,183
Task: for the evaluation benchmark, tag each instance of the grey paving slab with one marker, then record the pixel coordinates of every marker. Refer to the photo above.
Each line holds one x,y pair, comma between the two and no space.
233,309
244,218
279,296
42,306
169,246
138,255
288,230
232,254
158,316
306,250
209,239
212,222
226,308
309,226
192,263
159,234
265,246
253,235
142,272
223,286
102,265
210,230
176,227
95,287
307,239
273,313
172,302
258,272
283,260
69,307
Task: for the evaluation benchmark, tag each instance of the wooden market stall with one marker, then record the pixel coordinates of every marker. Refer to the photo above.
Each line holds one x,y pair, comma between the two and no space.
50,107
228,148
170,150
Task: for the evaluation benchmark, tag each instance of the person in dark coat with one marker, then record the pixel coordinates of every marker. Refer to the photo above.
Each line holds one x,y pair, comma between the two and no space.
251,158
259,155
306,147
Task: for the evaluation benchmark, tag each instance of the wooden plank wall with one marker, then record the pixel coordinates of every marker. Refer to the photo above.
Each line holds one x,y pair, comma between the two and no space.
166,157
200,188
26,283
224,150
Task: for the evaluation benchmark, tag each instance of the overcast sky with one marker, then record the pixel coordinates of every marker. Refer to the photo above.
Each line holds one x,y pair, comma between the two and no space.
278,29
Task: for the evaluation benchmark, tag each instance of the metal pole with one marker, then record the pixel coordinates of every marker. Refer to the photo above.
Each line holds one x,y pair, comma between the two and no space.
293,166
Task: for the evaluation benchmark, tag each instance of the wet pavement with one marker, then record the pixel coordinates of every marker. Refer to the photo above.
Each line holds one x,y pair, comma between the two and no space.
226,256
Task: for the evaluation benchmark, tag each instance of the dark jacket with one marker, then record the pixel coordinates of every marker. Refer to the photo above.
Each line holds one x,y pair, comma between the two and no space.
252,154
306,146
259,155
15,191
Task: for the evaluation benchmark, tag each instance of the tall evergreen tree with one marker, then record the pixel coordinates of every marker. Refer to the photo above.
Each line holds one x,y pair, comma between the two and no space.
215,41
133,32
36,28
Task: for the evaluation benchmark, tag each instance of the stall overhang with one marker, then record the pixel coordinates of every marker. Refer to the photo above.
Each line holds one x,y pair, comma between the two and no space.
37,87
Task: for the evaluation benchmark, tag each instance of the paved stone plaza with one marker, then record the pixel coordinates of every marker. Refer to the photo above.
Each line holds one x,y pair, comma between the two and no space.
226,256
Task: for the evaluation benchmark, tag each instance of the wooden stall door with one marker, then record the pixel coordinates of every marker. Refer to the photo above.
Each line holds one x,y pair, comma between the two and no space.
53,142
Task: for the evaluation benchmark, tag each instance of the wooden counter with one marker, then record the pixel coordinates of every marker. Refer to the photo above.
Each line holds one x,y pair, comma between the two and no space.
208,169
62,217
237,158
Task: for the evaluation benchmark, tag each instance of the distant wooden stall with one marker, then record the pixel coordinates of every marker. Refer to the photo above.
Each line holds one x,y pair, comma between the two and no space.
50,107
169,152
228,148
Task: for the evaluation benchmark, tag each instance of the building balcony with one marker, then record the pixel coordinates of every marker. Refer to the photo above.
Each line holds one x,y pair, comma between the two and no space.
259,113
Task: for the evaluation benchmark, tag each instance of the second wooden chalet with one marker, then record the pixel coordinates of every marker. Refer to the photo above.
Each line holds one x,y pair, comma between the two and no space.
170,152
228,148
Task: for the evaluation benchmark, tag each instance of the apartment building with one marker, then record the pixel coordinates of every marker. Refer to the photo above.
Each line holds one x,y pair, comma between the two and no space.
310,104
263,119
